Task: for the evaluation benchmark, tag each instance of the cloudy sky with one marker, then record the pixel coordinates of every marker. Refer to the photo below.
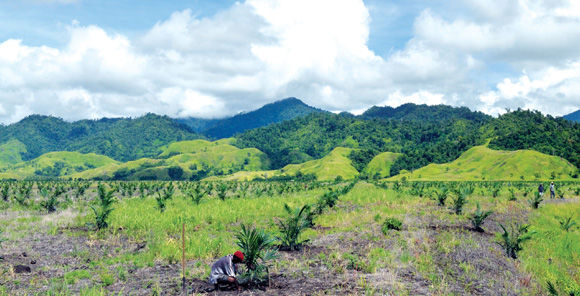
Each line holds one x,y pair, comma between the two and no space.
81,59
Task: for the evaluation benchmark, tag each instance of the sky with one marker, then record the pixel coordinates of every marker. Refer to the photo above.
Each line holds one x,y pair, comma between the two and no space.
88,59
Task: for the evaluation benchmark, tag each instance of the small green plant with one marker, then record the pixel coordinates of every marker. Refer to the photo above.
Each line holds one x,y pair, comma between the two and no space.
256,245
567,223
536,200
561,193
441,195
478,218
196,194
460,200
50,201
290,229
512,194
391,224
104,206
511,241
163,197
222,191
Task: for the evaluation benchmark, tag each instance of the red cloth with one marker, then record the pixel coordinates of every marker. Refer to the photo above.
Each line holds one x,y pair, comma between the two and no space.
240,255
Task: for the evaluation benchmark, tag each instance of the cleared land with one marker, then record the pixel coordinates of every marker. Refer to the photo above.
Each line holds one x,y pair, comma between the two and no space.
436,252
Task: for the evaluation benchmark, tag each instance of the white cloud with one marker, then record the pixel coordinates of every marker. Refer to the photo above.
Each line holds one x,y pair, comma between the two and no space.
260,50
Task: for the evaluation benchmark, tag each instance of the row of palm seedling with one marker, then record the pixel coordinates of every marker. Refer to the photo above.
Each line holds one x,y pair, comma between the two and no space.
259,246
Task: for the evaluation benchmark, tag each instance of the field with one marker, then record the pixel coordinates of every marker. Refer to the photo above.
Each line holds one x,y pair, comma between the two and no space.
51,246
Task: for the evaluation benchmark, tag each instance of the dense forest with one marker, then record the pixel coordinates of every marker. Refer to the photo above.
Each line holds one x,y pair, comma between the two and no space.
423,134
122,139
315,135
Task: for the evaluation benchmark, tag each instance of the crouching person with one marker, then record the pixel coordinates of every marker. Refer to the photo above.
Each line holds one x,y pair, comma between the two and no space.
225,270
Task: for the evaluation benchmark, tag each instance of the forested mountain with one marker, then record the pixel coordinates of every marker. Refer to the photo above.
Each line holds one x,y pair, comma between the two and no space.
315,135
523,129
278,111
574,116
122,139
424,112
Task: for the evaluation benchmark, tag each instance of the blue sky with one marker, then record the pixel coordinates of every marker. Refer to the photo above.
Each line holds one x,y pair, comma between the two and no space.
88,59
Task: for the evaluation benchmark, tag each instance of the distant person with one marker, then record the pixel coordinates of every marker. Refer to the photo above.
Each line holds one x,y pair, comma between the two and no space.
541,189
552,193
224,271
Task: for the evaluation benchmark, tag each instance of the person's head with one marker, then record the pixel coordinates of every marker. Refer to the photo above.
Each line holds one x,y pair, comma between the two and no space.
238,257
552,183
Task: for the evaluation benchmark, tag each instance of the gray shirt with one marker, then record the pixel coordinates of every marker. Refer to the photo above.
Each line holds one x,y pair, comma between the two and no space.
224,266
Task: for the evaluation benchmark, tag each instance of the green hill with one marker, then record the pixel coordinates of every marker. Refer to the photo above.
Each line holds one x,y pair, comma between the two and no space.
11,152
335,164
57,164
481,163
380,165
191,160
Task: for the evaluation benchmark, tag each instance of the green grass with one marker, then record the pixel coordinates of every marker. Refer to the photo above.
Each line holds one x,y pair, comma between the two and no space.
380,165
191,156
483,164
71,163
11,152
554,254
335,164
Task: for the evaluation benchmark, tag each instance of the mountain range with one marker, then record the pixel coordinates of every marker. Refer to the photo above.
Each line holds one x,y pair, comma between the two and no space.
285,137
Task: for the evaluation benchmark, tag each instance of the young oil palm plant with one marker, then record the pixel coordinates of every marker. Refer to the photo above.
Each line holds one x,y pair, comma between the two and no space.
536,200
257,247
104,206
290,228
511,241
566,223
441,195
478,218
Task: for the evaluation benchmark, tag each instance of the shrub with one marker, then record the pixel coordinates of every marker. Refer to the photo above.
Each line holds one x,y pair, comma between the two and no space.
511,241
104,207
478,218
391,224
536,200
297,221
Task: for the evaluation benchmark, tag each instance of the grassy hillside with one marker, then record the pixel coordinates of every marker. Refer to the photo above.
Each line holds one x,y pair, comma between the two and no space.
186,160
481,163
56,164
335,164
381,165
11,152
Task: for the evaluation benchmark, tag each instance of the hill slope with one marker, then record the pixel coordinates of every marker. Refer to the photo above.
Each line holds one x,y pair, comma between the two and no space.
271,113
191,160
122,139
57,164
483,164
424,112
335,164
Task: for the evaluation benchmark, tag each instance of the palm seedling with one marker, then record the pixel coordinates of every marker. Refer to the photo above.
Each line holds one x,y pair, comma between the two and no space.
196,194
561,193
495,190
163,197
460,200
567,223
256,245
222,191
512,194
511,241
297,221
577,191
104,206
478,218
536,200
5,191
50,200
441,195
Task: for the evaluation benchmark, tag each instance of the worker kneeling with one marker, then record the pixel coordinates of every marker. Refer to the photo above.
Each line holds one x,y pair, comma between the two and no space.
224,271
